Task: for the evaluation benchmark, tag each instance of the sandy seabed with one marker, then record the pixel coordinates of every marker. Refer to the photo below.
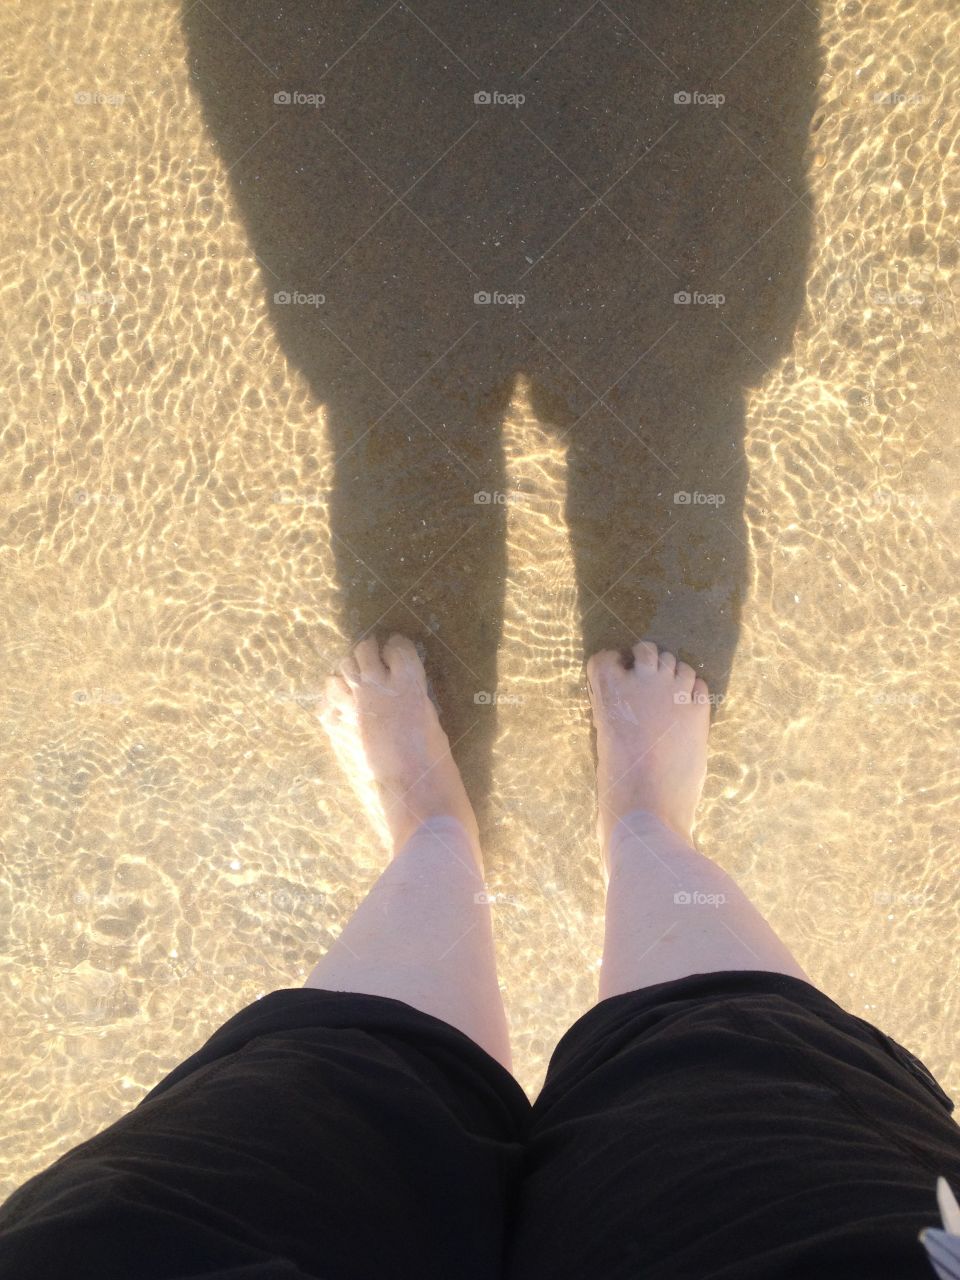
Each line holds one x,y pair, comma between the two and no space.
175,838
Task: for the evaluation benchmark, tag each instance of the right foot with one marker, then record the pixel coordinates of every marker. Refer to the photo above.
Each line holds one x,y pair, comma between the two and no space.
652,721
386,735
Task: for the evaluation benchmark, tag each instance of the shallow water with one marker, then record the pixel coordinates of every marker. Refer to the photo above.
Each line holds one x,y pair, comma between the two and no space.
175,838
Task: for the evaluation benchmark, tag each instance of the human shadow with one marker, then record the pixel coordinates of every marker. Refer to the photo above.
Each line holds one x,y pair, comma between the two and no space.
620,183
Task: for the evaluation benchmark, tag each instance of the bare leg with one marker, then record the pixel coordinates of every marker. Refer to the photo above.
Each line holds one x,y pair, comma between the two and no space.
670,910
423,934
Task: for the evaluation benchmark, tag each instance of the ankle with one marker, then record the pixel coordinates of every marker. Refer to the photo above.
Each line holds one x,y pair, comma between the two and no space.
641,822
448,830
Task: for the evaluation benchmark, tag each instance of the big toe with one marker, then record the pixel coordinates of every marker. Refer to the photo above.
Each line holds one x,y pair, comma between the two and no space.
400,655
685,678
603,669
700,694
367,656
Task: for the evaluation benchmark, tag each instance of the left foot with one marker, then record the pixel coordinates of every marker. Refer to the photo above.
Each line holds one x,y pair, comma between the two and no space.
652,720
387,737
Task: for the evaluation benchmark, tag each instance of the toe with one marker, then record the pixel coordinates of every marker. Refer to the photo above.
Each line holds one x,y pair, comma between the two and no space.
668,662
603,667
401,657
686,676
645,653
700,694
367,654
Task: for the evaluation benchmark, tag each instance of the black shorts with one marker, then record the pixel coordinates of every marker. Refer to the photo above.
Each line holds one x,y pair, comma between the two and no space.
723,1125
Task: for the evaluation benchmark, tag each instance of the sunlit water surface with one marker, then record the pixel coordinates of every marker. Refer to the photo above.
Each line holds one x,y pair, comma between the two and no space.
175,838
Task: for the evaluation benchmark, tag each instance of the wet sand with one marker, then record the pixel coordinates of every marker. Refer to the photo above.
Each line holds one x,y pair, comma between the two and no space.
209,492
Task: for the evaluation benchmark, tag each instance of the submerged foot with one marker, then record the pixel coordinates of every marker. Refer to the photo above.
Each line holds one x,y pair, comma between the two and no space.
386,735
652,721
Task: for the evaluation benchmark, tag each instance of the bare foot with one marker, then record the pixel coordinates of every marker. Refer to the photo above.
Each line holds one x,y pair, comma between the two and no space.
386,735
652,721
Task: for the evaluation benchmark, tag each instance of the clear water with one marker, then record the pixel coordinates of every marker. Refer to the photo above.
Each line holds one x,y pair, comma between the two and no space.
200,512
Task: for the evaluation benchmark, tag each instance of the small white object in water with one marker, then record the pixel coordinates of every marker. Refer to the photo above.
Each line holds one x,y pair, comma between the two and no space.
943,1247
235,864
949,1209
